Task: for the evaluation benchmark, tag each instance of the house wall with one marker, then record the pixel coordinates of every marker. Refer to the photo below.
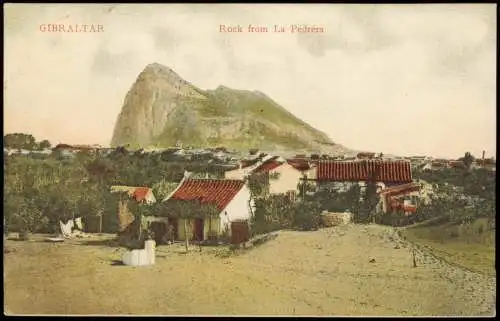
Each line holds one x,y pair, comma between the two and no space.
235,174
288,179
343,187
412,198
238,208
215,227
150,197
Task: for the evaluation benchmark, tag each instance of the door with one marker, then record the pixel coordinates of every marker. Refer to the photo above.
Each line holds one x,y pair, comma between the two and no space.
198,229
240,232
173,224
160,231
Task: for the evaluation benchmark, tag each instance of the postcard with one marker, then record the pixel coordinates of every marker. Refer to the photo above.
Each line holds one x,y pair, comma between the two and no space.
250,159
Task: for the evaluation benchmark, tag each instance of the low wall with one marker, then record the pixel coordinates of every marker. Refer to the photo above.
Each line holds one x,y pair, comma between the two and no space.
333,219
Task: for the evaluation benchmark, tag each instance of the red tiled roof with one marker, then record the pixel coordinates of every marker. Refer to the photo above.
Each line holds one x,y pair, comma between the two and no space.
248,162
406,208
300,165
381,171
400,189
140,193
268,166
209,191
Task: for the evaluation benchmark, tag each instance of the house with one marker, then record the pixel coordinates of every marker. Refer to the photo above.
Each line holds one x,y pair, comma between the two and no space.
404,197
127,224
341,175
247,166
456,164
230,197
486,163
140,194
283,177
67,150
435,165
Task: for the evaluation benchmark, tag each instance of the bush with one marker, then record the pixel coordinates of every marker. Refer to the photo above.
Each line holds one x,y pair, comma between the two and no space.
307,216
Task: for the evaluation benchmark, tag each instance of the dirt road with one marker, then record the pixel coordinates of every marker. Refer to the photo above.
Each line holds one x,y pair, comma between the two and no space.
351,270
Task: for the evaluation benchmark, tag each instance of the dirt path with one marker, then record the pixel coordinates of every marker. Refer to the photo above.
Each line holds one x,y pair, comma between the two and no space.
327,272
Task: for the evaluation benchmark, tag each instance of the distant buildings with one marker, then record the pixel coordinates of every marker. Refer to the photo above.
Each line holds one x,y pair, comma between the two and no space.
341,175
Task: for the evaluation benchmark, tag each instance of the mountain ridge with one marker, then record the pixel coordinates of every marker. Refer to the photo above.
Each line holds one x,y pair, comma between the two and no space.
161,109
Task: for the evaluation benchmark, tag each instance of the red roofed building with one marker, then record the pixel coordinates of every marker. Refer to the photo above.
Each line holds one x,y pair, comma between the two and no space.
126,219
143,194
355,171
268,166
402,197
230,197
140,194
342,175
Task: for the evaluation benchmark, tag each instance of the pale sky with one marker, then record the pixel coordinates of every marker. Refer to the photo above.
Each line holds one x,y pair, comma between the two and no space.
401,79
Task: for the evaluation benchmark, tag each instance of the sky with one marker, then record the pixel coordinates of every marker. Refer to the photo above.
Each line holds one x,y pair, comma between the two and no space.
400,79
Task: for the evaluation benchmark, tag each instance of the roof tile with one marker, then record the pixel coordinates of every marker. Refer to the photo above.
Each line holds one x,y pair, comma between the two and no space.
209,191
380,170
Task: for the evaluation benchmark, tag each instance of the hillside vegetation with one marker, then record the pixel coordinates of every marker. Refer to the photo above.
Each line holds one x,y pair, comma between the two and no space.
459,226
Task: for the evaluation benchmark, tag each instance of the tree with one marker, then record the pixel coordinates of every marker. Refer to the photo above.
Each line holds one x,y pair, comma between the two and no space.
163,188
305,187
19,141
28,218
467,160
352,197
44,144
258,183
307,215
101,170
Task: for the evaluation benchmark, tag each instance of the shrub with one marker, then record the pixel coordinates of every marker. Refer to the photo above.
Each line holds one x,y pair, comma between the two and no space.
307,216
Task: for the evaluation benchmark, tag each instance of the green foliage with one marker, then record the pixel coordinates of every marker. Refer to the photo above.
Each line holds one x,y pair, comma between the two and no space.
28,217
258,183
277,212
19,141
44,144
366,212
24,141
307,216
467,159
305,187
163,188
186,209
332,200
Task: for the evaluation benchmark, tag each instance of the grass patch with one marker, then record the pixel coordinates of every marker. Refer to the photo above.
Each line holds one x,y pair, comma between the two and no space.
471,246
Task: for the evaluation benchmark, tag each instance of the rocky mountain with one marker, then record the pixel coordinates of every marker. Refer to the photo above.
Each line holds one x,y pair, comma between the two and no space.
162,109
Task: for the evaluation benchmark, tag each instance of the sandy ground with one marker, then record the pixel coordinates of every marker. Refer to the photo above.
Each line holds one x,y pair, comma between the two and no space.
326,272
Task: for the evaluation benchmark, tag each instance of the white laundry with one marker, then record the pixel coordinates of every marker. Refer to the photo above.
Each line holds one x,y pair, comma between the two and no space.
142,257
67,228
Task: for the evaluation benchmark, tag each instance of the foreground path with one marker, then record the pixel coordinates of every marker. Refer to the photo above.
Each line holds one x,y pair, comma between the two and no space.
350,270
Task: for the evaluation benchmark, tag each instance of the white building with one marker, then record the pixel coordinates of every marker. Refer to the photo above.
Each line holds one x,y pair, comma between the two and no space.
230,197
